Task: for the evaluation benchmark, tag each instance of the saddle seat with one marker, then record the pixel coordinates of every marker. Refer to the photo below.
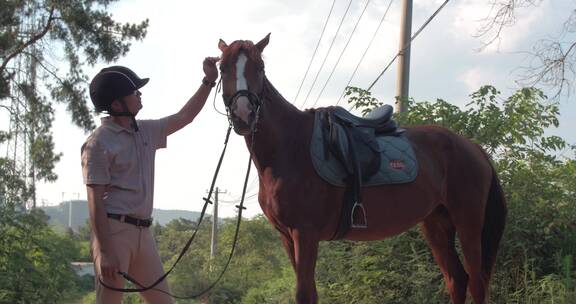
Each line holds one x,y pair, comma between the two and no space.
353,139
379,119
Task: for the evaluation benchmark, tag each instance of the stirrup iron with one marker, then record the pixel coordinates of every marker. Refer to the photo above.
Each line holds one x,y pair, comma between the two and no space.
364,223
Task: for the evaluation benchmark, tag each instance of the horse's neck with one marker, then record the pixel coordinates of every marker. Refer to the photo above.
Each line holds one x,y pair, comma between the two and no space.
281,128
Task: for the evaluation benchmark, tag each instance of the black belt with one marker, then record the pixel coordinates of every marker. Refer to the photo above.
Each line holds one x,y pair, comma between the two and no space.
131,220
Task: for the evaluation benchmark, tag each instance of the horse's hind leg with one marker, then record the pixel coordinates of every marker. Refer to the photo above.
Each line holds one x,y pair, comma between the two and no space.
440,234
470,236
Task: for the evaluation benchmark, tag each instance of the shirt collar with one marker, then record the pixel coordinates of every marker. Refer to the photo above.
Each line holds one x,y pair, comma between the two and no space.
107,122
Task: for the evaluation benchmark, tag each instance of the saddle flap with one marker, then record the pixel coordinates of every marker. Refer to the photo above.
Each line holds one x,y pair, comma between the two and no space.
339,145
395,163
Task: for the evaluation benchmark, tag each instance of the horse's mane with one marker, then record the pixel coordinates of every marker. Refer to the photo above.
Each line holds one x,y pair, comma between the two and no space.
245,46
252,52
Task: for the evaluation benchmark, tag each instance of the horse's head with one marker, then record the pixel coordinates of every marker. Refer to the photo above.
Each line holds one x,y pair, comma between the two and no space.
242,72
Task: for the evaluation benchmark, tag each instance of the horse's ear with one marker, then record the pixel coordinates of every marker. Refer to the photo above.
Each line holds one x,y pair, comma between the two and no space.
263,43
222,45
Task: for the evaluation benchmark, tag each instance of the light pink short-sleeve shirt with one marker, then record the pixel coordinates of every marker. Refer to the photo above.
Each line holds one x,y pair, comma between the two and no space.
124,161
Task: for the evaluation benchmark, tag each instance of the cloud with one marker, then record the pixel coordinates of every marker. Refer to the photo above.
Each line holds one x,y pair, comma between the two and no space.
476,77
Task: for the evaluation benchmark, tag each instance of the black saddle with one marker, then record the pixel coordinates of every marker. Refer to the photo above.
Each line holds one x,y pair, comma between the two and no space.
380,119
352,141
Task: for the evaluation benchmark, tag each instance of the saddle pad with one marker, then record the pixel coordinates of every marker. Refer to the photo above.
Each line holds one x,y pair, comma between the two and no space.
398,161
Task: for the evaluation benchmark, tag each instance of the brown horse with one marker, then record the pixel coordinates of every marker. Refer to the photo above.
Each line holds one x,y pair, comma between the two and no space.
456,190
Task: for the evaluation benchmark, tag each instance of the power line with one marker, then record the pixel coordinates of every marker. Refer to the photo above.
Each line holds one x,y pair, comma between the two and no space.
315,50
328,53
408,43
252,184
365,51
235,200
342,53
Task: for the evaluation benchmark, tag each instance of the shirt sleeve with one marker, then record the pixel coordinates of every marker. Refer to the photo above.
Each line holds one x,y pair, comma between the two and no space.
95,163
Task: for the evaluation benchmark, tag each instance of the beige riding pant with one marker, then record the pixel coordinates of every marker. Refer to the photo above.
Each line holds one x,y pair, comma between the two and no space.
138,256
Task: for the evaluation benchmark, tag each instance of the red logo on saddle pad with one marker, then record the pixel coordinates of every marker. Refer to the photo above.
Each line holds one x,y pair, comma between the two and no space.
397,164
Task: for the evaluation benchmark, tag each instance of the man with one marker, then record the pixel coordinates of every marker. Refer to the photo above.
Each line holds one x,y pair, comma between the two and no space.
118,170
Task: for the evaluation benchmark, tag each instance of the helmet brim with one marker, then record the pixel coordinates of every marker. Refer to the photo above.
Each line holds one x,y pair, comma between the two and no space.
143,82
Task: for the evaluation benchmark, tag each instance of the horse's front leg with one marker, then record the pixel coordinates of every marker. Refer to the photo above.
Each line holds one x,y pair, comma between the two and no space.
306,252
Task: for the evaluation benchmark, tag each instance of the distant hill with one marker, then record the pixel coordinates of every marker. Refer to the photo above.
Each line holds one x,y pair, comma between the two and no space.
60,215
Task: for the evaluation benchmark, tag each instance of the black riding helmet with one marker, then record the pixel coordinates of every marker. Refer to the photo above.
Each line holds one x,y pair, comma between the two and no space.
113,83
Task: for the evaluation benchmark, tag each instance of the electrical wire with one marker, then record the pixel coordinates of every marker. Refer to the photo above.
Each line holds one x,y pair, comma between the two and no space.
342,53
365,51
315,50
328,53
408,43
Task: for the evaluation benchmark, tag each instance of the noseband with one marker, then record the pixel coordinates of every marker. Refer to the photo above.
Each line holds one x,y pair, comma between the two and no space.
255,101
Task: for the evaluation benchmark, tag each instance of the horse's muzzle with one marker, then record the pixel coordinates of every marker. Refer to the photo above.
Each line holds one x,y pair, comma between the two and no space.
243,111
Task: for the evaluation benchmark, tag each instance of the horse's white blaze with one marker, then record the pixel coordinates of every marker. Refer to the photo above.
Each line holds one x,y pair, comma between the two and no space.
242,105
241,83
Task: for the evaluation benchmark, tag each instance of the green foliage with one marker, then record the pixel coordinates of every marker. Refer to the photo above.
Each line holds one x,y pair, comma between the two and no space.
90,298
259,257
34,261
278,290
377,272
12,187
362,99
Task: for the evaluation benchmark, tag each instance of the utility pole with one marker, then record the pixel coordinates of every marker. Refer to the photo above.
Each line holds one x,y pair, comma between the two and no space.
403,79
214,240
70,214
18,144
70,206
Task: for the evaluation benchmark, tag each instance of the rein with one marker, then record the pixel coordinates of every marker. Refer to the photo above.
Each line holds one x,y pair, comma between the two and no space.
207,200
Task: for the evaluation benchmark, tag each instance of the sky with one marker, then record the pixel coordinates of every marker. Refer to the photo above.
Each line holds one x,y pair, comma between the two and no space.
445,63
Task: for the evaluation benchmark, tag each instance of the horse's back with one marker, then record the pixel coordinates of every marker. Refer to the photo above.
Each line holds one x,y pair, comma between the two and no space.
446,147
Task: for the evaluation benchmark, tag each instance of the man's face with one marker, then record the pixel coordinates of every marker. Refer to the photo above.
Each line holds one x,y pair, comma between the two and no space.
132,101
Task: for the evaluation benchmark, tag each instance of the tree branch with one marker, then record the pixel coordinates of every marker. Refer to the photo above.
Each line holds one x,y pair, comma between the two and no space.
49,71
33,40
501,15
553,67
9,109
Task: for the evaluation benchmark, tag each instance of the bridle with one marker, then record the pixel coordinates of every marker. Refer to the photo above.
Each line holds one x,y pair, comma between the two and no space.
256,102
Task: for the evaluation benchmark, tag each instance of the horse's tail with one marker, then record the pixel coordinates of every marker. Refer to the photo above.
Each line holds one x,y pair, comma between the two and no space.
494,222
